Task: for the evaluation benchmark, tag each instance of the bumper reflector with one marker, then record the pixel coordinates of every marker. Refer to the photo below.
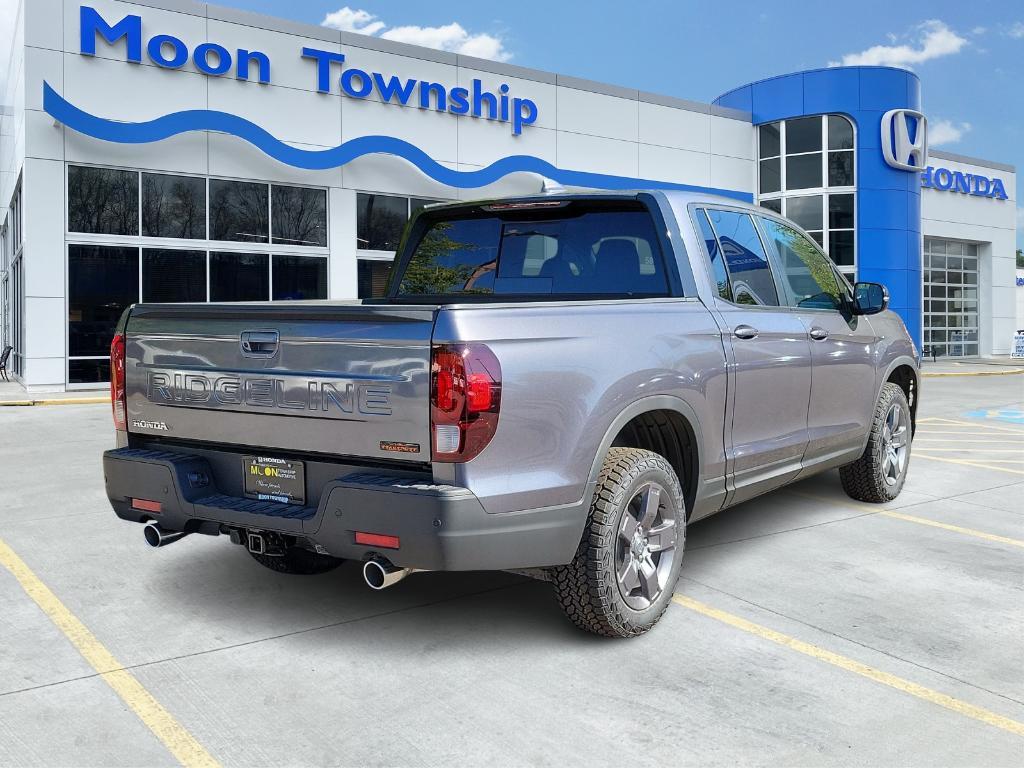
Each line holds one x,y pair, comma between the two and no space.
376,540
146,505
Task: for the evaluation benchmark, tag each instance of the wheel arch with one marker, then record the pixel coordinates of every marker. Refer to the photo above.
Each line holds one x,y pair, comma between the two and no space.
903,372
666,425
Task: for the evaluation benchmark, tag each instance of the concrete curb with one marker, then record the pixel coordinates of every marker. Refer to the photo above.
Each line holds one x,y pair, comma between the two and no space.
56,401
937,374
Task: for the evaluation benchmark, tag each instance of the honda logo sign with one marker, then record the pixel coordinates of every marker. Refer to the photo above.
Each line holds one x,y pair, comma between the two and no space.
905,139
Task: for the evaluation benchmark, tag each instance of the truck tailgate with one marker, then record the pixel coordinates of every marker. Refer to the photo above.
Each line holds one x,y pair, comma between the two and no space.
336,378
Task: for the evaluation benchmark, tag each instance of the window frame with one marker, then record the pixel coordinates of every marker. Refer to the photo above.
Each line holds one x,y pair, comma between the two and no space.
784,194
142,242
773,267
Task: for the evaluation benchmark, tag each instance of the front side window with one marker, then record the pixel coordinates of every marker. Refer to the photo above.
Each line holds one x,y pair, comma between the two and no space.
103,201
568,252
750,274
806,271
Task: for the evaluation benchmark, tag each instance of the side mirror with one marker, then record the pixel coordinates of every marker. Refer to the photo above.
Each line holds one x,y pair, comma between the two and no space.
870,298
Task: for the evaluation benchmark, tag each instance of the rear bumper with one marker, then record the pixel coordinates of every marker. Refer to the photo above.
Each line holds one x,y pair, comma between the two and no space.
440,527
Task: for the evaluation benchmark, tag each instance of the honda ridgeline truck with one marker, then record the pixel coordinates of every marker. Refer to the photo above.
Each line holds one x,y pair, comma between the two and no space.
558,384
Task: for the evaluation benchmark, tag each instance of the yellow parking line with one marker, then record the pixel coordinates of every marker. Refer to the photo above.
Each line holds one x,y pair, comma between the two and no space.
850,665
873,510
984,425
57,401
179,741
955,528
967,463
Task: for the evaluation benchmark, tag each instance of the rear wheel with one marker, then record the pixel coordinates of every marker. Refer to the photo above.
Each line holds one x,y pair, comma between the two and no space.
298,561
878,475
623,575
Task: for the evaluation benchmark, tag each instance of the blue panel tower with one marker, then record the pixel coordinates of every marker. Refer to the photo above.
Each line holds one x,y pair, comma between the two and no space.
888,199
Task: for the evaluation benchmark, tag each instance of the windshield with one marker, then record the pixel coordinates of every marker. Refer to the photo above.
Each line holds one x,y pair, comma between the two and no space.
581,249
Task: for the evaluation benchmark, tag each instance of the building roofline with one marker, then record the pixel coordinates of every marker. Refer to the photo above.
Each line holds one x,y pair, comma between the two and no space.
354,40
966,159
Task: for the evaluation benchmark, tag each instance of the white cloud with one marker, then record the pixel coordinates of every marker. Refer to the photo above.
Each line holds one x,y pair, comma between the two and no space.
447,37
1016,30
979,31
931,39
946,132
349,20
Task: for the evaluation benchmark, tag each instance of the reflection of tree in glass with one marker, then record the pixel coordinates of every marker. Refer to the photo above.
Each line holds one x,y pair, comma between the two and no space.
238,211
816,264
103,201
300,216
173,206
425,275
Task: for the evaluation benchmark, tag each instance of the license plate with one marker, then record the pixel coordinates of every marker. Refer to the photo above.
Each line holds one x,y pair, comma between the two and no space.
270,479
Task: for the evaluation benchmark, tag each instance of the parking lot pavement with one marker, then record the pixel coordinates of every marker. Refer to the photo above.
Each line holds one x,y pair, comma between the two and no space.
809,630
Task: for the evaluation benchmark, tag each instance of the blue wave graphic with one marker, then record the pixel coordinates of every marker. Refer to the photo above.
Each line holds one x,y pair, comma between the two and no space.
176,123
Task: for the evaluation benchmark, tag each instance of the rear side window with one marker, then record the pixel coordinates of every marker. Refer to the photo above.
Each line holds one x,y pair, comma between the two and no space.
715,254
806,270
571,250
749,272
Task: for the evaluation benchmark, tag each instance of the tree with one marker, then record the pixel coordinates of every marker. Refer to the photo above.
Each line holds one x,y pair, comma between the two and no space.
1020,259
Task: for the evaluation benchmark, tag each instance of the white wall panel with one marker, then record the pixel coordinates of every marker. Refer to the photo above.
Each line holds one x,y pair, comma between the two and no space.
734,138
43,138
482,142
732,173
42,66
433,132
44,23
678,128
43,192
541,94
235,158
185,153
275,110
130,92
666,164
597,114
590,153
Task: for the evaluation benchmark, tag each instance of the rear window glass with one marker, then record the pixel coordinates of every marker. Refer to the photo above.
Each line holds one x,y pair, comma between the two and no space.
570,251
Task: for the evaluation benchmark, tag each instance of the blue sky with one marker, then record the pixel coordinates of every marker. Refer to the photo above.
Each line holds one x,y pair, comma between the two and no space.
970,56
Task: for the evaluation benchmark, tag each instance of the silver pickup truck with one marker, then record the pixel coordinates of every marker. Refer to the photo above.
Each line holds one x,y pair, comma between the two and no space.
554,384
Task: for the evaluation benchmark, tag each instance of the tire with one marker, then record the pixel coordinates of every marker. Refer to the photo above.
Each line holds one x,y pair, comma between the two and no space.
298,561
596,590
879,474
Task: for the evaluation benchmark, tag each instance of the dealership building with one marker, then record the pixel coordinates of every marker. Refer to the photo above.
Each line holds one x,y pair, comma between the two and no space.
168,150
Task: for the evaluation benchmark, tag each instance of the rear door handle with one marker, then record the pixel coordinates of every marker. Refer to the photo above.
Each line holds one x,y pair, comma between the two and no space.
744,332
818,334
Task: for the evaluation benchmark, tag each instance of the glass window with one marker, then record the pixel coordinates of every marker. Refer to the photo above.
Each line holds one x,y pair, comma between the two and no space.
238,211
173,206
840,132
803,135
380,220
299,216
599,252
771,176
773,205
840,169
89,371
749,272
803,171
102,282
103,201
239,277
840,211
769,144
170,275
807,271
300,278
805,211
840,248
715,254
373,278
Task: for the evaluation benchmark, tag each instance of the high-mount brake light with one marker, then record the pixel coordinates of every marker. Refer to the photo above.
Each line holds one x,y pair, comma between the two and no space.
526,205
117,383
465,397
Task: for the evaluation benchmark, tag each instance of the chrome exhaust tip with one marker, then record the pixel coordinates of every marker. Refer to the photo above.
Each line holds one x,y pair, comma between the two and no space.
158,537
381,574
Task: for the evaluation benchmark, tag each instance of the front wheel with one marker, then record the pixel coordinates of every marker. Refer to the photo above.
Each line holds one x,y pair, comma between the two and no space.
625,570
878,475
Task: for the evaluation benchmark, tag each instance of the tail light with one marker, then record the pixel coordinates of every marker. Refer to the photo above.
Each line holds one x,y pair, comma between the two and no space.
117,384
465,397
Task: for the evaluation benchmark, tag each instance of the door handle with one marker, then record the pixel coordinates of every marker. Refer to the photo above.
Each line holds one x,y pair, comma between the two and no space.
818,334
259,343
744,332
